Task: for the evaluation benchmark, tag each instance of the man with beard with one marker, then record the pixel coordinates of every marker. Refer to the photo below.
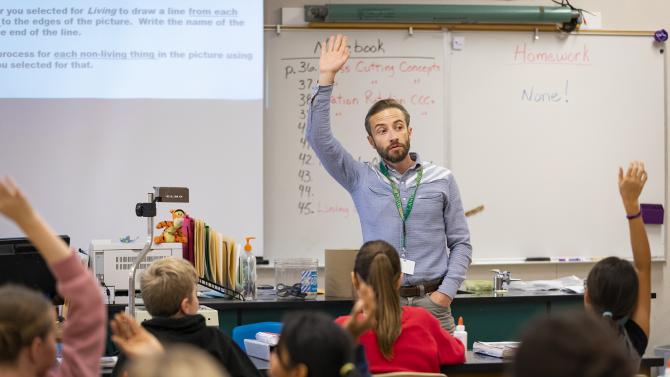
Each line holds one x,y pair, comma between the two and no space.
412,204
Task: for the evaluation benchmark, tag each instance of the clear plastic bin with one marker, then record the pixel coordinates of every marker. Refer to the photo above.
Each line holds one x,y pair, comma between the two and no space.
296,278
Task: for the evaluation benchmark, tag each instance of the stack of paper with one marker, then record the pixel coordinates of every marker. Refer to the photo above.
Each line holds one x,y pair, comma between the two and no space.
215,255
571,283
496,349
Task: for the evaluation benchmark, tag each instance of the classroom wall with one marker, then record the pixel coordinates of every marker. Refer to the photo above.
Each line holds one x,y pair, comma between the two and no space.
616,15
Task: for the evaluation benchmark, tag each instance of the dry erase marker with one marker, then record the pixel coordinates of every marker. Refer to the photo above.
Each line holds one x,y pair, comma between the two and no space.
574,259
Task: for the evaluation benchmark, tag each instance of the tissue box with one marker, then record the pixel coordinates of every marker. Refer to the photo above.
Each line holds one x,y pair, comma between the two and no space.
652,213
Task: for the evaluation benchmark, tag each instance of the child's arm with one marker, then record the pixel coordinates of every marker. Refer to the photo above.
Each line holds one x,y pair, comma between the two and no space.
84,331
630,187
362,318
15,206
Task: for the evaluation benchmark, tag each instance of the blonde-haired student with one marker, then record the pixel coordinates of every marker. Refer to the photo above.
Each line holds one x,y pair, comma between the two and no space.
169,288
169,293
27,318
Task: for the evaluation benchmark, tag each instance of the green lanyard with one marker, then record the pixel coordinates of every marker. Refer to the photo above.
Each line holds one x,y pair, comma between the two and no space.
404,213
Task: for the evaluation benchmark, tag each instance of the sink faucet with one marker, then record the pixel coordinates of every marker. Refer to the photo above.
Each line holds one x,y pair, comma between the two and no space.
500,277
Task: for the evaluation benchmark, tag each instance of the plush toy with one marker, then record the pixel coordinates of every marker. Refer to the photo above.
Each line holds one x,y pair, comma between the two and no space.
172,231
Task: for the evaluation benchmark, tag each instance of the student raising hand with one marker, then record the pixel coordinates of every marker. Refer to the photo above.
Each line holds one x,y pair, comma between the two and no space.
631,184
28,318
617,290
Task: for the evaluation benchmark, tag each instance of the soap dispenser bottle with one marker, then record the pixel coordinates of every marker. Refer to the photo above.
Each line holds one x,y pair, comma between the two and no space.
247,271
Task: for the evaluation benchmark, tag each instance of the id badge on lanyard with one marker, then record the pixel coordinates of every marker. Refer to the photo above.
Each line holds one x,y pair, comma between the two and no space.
406,265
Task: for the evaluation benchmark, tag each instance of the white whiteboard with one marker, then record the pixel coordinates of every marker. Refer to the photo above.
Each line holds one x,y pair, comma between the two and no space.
545,170
545,164
383,64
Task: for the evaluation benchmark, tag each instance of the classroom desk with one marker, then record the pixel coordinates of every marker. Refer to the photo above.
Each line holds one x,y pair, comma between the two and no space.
488,316
477,365
501,317
485,366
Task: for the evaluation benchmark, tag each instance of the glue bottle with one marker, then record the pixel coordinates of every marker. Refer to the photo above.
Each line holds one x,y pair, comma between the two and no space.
461,334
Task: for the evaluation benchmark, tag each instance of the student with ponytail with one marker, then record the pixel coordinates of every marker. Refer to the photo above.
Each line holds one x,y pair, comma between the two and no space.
617,290
404,338
28,320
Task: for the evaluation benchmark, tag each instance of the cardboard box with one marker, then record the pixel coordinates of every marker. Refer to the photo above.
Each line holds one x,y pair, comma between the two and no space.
339,266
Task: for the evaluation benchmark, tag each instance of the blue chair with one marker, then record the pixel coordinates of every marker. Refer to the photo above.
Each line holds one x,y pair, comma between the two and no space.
249,331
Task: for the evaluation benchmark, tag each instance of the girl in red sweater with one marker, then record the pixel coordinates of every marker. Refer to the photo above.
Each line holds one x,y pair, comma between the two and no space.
28,320
403,338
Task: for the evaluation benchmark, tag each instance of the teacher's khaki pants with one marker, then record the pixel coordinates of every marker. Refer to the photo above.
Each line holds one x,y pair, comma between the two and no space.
443,314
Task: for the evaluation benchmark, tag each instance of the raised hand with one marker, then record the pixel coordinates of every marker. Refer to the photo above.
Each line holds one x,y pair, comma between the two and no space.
630,185
132,338
13,203
363,313
334,54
